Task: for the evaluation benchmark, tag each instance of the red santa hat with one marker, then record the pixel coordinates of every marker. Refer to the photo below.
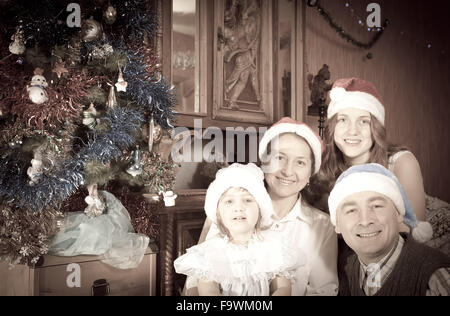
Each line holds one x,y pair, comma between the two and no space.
356,93
288,125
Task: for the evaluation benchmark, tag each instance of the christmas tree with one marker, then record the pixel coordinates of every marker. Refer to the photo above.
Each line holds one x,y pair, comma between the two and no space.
82,106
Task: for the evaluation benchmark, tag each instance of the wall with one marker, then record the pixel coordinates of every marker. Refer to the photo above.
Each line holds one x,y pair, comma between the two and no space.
412,79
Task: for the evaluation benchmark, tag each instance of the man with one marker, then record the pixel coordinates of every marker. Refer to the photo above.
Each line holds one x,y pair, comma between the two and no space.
366,206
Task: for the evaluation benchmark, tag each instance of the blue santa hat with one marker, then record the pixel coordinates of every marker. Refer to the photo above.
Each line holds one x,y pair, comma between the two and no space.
374,177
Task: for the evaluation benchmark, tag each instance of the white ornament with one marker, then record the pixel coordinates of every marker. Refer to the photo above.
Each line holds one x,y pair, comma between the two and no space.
95,205
39,80
37,94
36,91
17,47
89,117
121,84
169,198
35,170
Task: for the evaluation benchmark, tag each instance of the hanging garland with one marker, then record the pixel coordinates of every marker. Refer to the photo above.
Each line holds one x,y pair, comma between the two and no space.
149,95
340,31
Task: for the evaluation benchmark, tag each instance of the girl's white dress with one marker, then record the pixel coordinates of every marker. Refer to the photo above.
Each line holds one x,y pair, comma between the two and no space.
240,270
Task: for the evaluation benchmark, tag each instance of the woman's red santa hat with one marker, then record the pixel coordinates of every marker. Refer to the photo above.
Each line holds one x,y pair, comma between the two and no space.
356,93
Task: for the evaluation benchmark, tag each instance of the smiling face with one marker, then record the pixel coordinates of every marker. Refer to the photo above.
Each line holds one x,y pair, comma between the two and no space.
292,162
353,136
239,213
368,222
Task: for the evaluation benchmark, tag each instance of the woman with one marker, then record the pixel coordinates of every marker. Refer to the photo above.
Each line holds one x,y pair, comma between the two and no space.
295,154
355,134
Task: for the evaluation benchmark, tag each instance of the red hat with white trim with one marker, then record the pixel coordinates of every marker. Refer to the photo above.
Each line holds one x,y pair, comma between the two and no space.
288,125
356,93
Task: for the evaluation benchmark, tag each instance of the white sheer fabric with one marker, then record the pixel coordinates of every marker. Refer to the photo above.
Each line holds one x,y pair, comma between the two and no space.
109,235
240,270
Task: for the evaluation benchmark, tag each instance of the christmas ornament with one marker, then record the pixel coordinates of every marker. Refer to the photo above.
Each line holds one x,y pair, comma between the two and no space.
112,101
89,117
91,30
17,47
95,206
36,91
121,84
110,15
169,198
135,167
154,133
101,52
35,170
59,69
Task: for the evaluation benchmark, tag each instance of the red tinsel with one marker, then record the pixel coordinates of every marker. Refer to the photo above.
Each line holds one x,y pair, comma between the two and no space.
144,217
64,102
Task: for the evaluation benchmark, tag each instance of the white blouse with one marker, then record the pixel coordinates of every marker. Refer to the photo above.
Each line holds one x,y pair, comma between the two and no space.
310,230
240,270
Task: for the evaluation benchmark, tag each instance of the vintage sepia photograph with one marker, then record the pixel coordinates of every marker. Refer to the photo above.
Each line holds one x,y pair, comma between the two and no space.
202,149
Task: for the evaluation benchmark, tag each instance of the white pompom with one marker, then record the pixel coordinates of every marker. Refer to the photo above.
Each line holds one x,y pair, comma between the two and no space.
423,232
337,94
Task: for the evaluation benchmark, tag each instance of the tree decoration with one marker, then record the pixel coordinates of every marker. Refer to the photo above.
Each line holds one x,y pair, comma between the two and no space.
17,47
121,84
96,205
64,102
134,21
24,236
59,68
112,100
135,167
340,31
110,15
91,30
90,116
36,90
74,154
35,170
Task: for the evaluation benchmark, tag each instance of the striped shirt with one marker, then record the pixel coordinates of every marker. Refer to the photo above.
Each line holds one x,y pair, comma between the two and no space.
373,276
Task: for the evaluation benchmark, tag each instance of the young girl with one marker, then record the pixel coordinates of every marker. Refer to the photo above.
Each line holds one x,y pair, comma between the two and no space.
243,259
355,134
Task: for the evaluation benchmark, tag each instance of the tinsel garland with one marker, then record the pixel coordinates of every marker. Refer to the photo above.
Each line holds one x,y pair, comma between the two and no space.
144,216
133,20
344,34
24,237
155,95
150,95
64,102
54,188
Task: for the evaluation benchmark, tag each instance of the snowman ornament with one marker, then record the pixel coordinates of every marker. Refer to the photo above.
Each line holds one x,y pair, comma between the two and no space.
36,89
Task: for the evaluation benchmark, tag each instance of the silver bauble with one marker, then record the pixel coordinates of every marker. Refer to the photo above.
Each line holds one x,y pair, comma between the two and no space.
91,30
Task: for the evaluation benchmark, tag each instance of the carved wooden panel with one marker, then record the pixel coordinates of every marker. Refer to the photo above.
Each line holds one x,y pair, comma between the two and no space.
243,59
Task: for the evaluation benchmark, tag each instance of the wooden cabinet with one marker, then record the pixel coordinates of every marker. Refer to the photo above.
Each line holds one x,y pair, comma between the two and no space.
181,226
232,62
54,276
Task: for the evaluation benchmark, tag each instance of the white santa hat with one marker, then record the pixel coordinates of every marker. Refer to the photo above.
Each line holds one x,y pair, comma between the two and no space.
356,93
288,125
376,178
248,177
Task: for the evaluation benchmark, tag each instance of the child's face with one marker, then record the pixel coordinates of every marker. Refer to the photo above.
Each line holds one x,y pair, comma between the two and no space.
353,135
238,211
